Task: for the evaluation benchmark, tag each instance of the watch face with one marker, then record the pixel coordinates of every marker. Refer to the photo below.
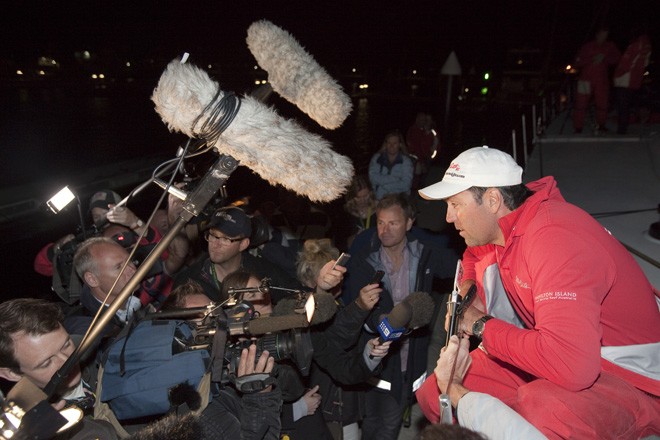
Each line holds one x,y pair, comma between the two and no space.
478,326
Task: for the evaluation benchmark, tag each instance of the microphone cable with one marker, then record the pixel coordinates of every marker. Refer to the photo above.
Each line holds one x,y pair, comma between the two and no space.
221,113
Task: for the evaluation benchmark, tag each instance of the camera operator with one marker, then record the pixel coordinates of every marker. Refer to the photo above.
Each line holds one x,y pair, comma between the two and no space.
55,259
250,416
34,345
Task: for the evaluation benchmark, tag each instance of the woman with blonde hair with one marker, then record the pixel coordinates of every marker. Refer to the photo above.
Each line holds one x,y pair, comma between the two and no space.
316,253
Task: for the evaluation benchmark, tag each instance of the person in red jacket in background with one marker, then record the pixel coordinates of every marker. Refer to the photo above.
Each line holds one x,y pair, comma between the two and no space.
568,323
422,143
594,60
629,73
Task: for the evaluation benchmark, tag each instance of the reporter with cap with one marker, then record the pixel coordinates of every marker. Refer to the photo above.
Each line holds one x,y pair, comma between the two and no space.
567,320
228,236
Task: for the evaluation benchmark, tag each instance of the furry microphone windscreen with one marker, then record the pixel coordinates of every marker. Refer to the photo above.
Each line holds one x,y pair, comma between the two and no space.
172,427
278,149
296,76
422,309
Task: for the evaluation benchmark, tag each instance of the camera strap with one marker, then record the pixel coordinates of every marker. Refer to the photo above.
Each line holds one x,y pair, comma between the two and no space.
253,383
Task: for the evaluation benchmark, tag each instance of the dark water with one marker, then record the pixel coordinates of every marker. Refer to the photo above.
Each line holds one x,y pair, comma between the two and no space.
49,134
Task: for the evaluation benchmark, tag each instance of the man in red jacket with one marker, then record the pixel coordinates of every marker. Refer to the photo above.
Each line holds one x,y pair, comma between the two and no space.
594,60
629,73
568,323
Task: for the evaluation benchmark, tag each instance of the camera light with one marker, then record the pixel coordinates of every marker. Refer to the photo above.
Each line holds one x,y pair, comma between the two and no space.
72,415
60,200
310,306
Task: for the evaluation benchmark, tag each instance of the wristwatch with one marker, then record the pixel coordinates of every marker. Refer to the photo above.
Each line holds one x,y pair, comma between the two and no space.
138,224
479,325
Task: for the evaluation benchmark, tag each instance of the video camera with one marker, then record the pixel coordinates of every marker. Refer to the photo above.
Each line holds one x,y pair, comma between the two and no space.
225,329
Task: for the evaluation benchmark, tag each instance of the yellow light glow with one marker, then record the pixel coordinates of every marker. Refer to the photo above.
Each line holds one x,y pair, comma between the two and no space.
101,76
256,67
41,72
94,75
257,82
128,64
354,70
19,72
414,72
210,66
466,90
569,67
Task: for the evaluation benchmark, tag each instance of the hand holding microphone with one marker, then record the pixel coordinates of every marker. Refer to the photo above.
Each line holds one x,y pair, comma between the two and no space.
378,349
415,311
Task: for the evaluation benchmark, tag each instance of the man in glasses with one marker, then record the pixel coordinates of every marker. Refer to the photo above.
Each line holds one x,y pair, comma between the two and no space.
228,238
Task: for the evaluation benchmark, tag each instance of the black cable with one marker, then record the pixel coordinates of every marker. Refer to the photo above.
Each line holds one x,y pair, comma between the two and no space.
221,113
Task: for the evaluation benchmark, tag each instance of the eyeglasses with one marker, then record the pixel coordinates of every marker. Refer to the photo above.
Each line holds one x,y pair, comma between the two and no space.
225,241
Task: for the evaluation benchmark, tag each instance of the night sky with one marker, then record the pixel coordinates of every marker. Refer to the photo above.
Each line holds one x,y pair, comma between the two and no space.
412,33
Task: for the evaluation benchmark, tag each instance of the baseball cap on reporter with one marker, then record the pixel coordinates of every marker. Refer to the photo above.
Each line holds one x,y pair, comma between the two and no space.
232,221
479,166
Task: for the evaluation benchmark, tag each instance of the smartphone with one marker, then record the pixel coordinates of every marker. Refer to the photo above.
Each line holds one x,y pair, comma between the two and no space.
342,260
377,277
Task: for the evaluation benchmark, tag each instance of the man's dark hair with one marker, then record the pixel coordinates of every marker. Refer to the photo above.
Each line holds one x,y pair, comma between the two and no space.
513,196
177,297
32,316
397,199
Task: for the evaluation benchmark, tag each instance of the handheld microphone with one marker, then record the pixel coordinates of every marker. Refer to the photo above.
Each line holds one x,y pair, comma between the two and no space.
413,312
296,76
279,150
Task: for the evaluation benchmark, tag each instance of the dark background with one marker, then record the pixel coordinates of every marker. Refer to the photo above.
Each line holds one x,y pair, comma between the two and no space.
52,130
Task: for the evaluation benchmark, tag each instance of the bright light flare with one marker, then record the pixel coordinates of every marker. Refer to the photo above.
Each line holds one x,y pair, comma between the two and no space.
310,307
60,200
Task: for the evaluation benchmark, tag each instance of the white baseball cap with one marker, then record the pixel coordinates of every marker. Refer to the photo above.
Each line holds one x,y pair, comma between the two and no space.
479,166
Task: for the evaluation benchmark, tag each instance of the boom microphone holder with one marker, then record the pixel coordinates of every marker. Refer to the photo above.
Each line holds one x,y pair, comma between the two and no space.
195,203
